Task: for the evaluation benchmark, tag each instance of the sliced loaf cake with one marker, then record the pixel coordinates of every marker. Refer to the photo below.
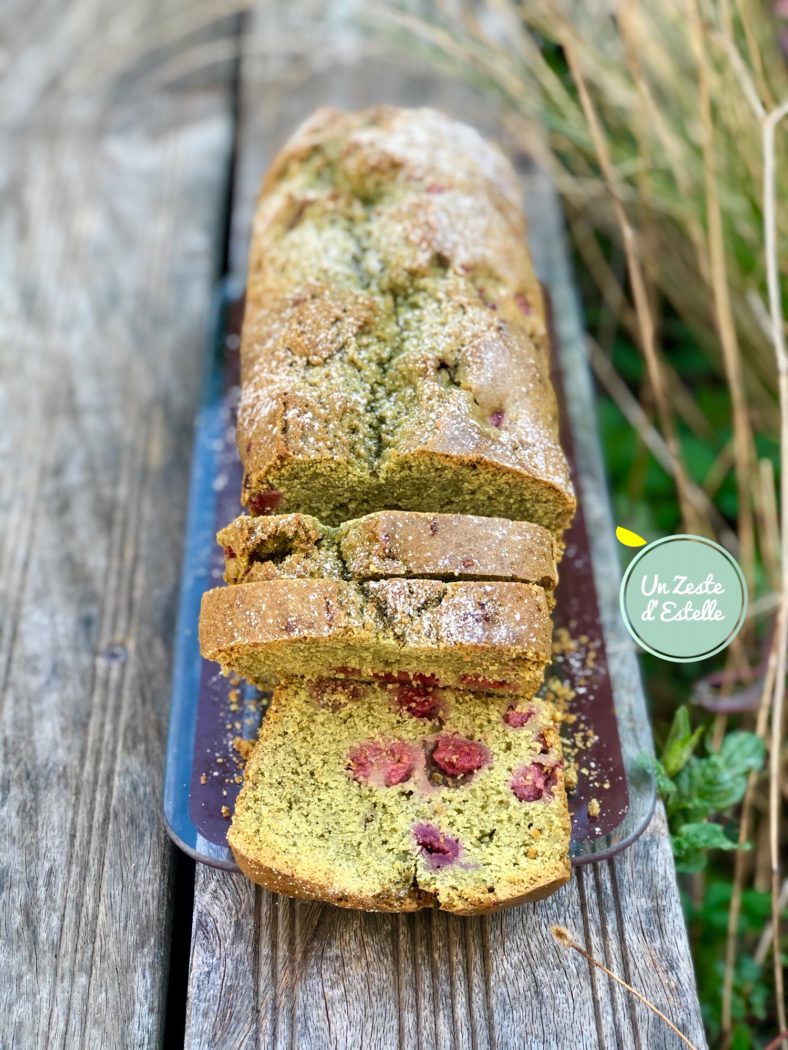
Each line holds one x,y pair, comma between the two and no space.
398,798
388,544
486,636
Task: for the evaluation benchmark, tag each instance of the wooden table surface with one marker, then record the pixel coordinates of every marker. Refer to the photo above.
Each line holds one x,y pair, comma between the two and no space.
133,138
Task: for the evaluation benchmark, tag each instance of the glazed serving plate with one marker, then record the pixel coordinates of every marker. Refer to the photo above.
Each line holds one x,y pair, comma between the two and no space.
608,733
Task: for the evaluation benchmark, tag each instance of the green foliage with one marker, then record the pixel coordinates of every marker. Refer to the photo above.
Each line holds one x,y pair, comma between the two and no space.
680,744
752,994
693,840
714,784
699,790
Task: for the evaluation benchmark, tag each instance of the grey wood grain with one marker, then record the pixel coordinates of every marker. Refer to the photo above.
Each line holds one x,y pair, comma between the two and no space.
112,203
268,972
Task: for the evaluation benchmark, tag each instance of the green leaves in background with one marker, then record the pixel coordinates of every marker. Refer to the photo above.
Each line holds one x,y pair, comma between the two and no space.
680,744
751,979
692,841
696,789
714,784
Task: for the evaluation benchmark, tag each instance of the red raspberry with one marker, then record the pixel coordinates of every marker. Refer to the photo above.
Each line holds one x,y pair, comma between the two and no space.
419,701
457,756
265,502
383,765
523,303
533,782
437,848
517,719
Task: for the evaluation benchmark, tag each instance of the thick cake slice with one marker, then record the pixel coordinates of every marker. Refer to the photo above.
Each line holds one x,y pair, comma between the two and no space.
394,351
388,544
486,636
395,798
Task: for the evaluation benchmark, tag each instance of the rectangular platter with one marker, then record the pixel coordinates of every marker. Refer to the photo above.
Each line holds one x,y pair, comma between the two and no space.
608,732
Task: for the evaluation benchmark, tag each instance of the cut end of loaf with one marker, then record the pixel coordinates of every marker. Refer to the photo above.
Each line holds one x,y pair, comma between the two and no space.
343,800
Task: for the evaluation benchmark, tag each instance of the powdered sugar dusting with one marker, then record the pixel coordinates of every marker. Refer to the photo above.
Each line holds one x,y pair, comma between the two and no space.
383,318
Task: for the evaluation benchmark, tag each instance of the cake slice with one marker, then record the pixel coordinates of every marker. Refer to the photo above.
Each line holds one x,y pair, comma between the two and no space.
397,798
486,636
389,544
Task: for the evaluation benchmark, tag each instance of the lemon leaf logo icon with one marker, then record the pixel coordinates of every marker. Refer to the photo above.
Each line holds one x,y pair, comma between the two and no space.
629,538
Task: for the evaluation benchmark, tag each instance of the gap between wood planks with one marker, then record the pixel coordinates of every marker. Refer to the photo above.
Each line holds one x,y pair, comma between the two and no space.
184,866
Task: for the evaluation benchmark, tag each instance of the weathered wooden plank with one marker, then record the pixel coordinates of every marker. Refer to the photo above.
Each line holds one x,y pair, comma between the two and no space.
308,975
111,213
268,972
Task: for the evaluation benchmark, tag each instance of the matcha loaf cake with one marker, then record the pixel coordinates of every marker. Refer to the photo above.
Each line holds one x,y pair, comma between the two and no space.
388,544
484,636
395,798
394,352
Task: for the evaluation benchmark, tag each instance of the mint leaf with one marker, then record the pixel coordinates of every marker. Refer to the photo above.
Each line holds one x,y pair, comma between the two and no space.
705,836
716,783
743,752
692,842
680,744
665,785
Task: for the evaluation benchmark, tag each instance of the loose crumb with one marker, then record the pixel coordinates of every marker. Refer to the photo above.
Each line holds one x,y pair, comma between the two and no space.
594,808
243,747
563,642
226,812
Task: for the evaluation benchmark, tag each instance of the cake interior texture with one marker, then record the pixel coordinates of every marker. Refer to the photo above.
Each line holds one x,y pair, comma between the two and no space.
398,798
485,636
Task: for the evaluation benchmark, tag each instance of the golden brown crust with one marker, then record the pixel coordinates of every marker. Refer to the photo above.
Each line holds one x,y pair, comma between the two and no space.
387,544
394,350
415,900
303,889
407,543
277,612
483,635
